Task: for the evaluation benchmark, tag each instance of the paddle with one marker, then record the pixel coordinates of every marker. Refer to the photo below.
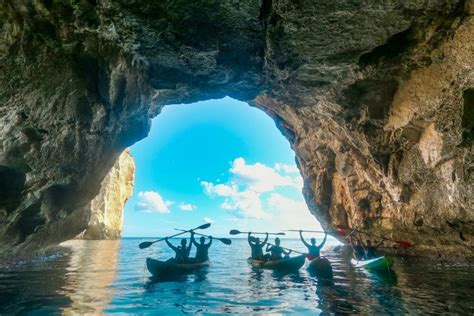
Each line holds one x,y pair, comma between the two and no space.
305,231
223,240
403,243
301,253
236,232
253,238
147,244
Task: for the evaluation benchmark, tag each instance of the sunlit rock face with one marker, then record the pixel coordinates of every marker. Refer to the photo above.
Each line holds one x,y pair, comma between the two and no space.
107,207
375,97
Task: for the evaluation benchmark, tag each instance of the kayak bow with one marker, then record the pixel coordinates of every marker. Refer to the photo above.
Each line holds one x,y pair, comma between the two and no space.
162,268
285,264
379,263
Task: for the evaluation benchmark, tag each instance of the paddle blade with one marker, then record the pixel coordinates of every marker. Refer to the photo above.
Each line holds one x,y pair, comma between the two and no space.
226,241
204,226
145,244
342,227
234,232
404,244
341,232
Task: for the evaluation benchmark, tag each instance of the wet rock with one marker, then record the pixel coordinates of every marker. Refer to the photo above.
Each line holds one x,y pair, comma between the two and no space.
107,207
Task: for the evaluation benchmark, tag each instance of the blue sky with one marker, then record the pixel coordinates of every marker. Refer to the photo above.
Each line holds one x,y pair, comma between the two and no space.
220,161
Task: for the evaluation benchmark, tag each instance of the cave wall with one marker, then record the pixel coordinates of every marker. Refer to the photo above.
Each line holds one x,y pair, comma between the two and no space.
373,96
107,207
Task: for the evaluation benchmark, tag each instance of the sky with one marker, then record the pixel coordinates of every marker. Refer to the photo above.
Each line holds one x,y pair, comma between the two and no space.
218,161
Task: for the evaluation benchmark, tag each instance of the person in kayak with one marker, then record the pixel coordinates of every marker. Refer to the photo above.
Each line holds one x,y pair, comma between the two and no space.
276,251
257,246
202,249
313,250
358,250
370,249
182,252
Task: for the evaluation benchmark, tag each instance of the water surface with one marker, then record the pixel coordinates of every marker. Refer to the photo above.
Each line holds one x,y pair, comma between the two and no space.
111,277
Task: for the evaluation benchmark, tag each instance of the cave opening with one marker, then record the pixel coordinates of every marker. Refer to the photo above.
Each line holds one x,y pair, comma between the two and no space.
220,161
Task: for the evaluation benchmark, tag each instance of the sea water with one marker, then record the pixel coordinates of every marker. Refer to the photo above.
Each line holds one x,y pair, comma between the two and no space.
104,277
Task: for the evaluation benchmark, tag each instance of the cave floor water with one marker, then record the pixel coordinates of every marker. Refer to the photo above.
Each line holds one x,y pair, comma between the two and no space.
96,277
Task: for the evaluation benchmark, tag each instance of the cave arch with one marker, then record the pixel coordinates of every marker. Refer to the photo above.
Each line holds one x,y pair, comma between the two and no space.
80,82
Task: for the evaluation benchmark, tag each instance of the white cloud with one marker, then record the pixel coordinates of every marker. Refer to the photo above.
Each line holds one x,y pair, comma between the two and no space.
187,207
244,193
246,203
291,214
208,220
283,167
218,189
298,181
258,177
151,201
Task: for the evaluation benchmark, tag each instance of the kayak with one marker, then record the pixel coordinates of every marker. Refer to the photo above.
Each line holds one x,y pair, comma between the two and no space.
163,268
321,268
379,263
285,264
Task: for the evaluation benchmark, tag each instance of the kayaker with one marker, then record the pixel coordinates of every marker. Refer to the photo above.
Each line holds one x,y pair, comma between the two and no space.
182,252
370,249
358,249
202,249
276,251
313,250
257,246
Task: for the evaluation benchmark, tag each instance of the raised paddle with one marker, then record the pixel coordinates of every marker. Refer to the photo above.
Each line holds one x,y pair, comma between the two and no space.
305,231
236,232
402,243
223,240
147,244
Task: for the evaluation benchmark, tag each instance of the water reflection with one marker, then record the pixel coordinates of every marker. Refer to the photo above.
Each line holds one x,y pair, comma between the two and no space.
89,275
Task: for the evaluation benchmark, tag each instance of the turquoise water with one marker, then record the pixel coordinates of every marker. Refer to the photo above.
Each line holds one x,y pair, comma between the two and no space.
110,277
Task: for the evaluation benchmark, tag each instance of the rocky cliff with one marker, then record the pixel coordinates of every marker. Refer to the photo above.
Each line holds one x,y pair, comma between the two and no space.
376,98
106,208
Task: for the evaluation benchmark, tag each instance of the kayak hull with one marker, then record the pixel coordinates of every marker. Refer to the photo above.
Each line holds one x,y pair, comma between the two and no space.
285,264
162,268
321,268
380,263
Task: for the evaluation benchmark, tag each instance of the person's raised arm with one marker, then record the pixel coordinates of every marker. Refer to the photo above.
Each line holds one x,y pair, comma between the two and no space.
302,239
249,240
170,245
266,239
193,241
188,250
324,240
210,241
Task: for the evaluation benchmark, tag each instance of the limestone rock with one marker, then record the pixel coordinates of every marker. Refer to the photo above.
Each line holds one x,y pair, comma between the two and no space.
375,97
106,208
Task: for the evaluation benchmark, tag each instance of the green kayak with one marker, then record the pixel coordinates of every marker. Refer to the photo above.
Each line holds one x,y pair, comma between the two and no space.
379,263
164,268
285,264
